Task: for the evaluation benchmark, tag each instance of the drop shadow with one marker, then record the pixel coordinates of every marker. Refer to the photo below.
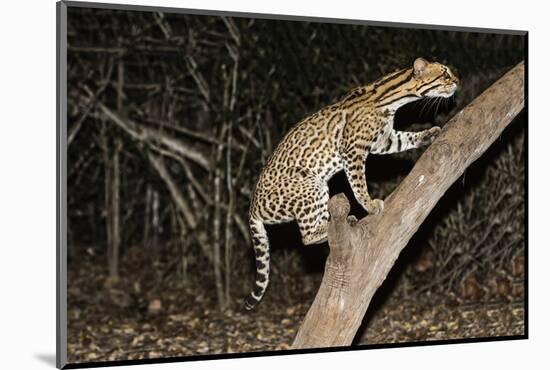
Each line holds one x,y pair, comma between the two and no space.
47,358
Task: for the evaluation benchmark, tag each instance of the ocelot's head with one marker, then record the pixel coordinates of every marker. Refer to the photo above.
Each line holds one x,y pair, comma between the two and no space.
432,79
423,80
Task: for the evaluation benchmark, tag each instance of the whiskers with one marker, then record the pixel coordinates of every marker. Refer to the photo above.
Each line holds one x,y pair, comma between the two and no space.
427,104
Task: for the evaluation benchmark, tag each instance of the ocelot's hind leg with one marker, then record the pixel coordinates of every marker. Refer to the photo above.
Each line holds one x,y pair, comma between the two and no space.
310,209
316,235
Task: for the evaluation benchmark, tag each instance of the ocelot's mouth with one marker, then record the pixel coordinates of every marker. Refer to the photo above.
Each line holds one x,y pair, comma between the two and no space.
444,90
450,91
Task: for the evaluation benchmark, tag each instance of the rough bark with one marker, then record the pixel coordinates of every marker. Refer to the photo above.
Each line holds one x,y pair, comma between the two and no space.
362,255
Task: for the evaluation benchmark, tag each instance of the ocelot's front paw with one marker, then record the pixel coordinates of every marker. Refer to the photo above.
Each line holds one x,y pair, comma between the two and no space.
430,135
375,206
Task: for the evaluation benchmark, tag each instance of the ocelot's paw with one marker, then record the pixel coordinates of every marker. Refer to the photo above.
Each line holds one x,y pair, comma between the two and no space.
430,135
352,220
375,206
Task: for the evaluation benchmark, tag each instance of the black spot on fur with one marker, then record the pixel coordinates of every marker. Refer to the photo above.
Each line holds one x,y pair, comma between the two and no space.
250,302
258,290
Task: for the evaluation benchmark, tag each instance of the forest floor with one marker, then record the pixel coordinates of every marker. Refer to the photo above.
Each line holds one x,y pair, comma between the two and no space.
140,318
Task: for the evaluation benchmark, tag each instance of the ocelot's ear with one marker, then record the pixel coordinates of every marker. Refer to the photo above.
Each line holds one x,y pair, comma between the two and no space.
419,66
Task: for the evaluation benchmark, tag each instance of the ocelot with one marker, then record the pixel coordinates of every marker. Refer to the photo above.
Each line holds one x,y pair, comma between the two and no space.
293,183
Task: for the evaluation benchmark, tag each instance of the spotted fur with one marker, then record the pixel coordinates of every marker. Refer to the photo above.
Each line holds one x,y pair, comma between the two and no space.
293,183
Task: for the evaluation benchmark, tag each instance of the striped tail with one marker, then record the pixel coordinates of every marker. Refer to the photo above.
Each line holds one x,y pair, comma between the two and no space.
261,250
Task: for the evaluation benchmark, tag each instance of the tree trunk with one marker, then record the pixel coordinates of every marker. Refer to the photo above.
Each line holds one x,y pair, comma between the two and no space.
216,246
147,215
113,249
361,256
114,211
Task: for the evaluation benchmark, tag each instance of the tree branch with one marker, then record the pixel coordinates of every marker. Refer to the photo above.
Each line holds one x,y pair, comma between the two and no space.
361,256
180,202
152,137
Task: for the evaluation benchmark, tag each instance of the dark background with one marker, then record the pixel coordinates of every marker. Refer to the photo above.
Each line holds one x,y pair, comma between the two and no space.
159,256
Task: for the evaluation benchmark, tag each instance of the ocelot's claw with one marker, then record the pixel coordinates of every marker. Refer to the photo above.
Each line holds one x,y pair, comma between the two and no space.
375,207
430,135
352,220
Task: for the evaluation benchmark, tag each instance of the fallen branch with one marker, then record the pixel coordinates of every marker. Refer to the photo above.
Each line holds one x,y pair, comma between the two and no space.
151,137
361,256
